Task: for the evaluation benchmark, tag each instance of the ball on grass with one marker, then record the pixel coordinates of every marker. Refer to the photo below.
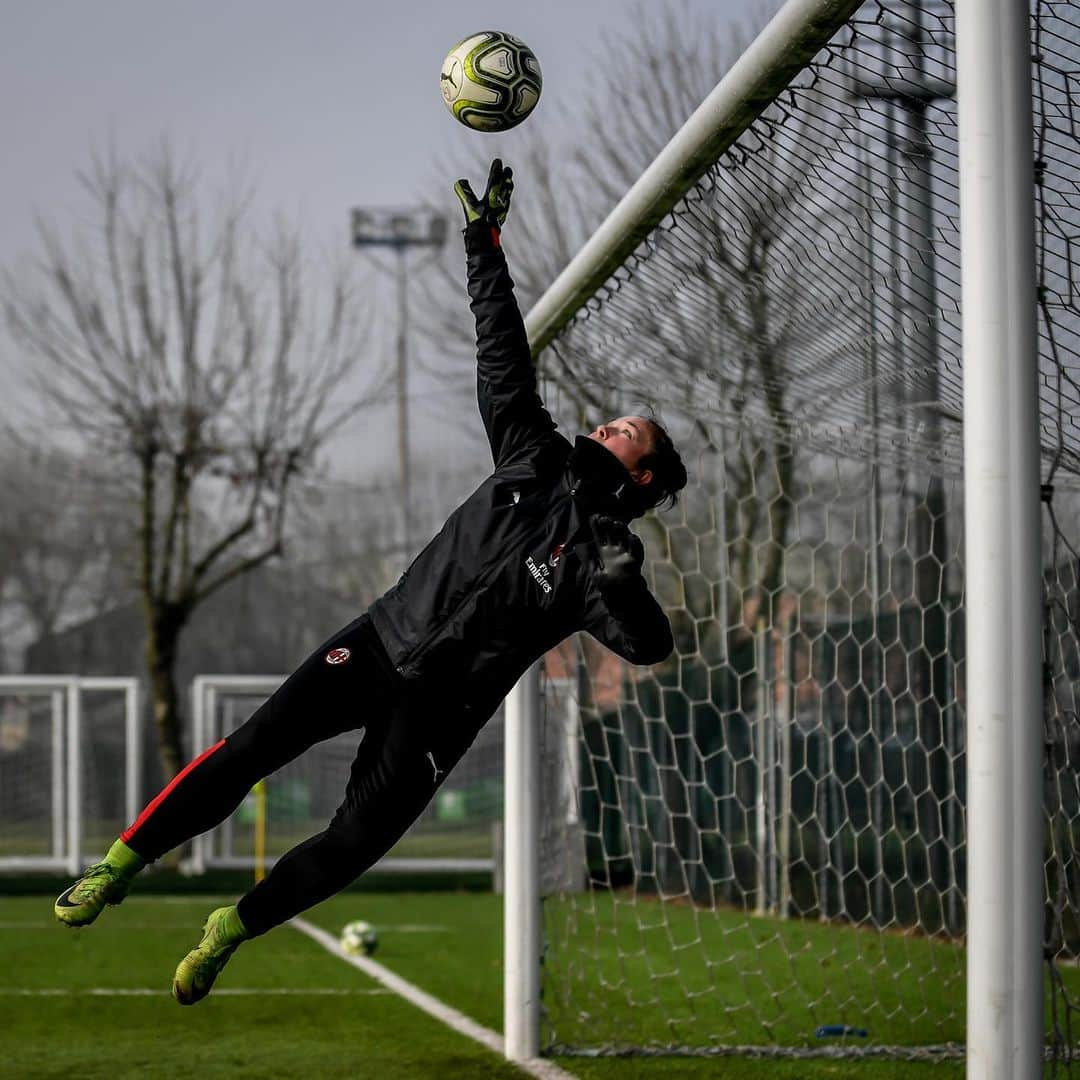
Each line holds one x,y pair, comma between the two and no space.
358,938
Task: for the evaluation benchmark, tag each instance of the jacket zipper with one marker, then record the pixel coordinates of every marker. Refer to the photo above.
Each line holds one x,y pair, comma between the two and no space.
413,657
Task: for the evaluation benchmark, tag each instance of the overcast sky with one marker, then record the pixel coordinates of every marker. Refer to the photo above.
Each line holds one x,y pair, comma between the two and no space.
322,104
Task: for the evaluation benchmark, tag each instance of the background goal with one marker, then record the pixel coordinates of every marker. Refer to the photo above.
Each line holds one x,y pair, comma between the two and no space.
70,761
458,833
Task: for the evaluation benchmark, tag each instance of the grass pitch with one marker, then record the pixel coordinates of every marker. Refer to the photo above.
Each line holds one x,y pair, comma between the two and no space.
96,1003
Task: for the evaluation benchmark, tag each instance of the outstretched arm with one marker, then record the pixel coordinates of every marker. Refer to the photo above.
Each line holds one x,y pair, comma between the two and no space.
514,416
620,612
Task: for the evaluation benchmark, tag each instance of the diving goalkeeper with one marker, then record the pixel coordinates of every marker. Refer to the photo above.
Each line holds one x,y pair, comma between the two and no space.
540,550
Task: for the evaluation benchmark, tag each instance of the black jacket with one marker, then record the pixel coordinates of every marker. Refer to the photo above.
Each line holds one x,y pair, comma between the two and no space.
510,574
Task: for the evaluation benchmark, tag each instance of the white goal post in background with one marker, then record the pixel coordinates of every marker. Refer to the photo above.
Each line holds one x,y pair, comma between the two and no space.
1003,698
56,799
207,728
456,835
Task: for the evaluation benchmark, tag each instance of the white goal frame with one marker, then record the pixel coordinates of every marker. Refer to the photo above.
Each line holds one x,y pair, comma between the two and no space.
205,693
66,694
1001,492
205,690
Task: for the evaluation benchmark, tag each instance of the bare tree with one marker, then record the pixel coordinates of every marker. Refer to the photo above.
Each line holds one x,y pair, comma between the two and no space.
65,536
356,550
206,366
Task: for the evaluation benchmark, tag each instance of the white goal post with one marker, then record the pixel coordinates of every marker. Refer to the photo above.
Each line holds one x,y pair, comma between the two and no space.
44,725
1003,552
1000,497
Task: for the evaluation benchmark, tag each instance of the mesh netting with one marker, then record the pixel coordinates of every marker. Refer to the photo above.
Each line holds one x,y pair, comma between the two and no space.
767,853
1056,49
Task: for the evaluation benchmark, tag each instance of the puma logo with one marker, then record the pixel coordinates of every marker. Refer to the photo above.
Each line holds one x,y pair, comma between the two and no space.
438,772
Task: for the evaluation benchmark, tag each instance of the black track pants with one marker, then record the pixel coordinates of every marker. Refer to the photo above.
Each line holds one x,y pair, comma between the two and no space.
408,742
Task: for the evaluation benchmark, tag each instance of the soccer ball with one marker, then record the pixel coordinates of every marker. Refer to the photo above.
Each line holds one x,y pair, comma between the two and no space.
491,81
359,937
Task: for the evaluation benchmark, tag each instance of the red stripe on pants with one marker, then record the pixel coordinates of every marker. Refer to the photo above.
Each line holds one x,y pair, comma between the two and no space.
130,831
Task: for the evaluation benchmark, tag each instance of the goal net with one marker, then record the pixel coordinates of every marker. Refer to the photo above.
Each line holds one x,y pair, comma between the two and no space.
765,847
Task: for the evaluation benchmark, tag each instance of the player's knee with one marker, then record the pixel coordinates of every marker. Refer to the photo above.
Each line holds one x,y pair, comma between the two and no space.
243,758
348,850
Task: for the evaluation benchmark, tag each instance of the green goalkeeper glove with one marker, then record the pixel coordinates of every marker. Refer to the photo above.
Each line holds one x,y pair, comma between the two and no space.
495,204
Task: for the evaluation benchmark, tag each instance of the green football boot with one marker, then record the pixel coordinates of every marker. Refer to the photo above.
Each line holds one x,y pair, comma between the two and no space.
106,882
196,973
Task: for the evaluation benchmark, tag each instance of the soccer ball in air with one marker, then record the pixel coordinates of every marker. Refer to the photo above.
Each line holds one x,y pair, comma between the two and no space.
491,81
359,937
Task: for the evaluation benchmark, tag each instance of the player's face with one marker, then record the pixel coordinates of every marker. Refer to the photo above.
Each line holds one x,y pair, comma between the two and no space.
629,438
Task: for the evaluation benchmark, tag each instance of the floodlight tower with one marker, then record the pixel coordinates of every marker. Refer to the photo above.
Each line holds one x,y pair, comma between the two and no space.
400,230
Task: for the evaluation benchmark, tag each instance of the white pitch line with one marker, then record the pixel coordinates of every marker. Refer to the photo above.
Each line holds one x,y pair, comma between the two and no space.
52,924
195,899
232,991
464,1025
192,926
413,928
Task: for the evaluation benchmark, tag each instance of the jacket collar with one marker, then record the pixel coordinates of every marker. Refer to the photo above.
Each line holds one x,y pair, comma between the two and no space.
603,482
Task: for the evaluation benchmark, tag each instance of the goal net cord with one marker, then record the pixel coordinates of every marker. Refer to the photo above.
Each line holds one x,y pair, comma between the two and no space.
770,825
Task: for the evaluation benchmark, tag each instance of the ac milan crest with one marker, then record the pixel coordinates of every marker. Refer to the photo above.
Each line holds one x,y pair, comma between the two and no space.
556,554
337,656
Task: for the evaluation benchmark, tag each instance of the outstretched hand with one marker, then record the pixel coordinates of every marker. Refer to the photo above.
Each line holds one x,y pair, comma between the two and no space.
494,205
620,554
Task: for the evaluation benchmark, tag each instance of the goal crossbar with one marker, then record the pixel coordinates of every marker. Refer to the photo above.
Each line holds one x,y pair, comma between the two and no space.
784,47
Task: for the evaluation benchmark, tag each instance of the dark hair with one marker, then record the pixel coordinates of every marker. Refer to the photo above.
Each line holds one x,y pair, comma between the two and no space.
669,472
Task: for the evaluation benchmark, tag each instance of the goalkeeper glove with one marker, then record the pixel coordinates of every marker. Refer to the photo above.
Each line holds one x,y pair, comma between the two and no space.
495,204
620,554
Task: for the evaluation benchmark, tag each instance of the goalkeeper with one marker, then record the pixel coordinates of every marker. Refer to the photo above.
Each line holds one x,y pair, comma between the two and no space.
540,550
